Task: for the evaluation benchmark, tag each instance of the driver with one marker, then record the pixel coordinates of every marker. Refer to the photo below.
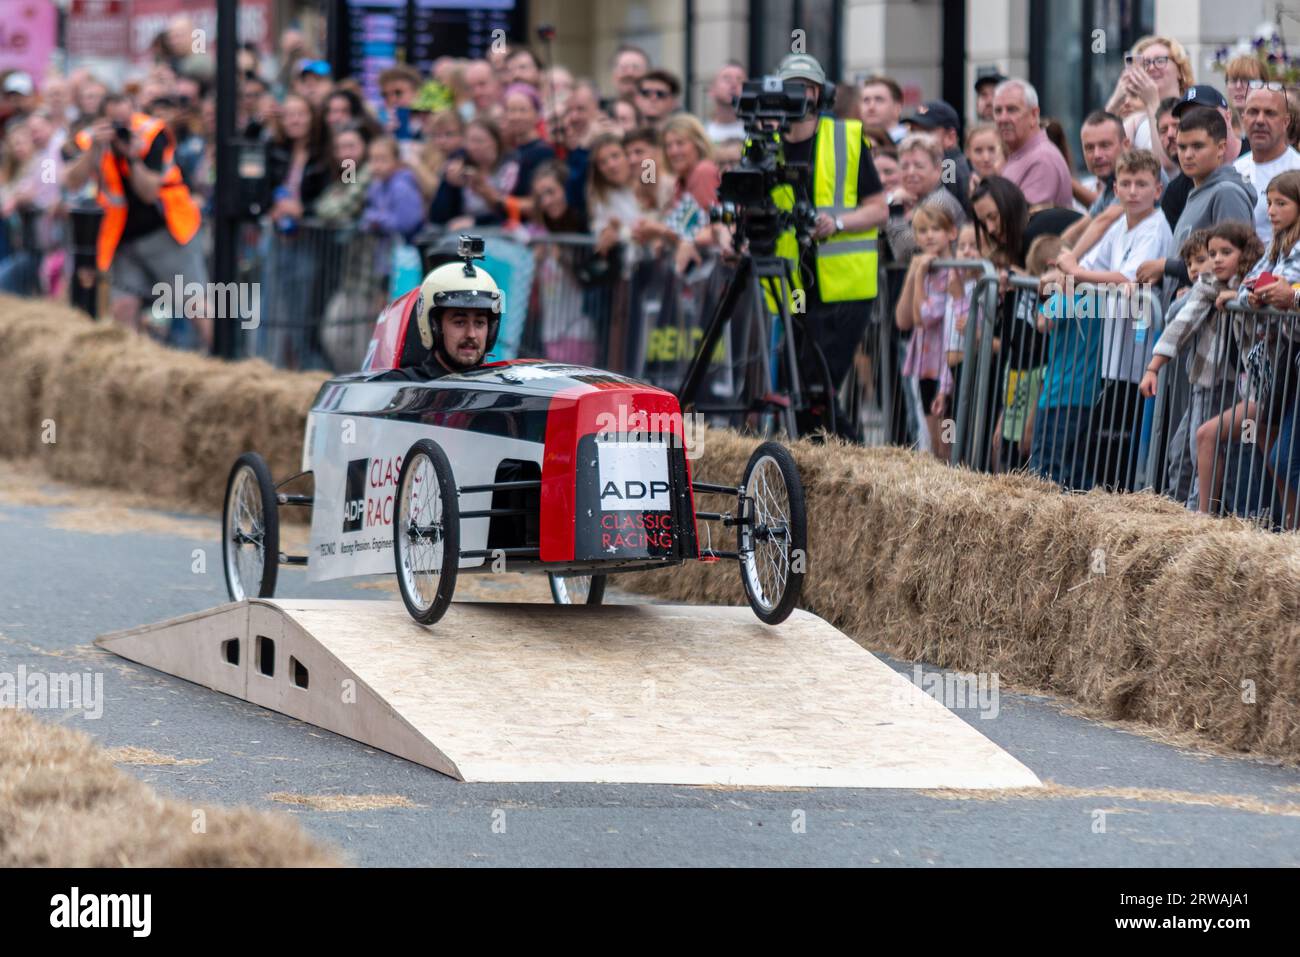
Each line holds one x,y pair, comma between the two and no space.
458,313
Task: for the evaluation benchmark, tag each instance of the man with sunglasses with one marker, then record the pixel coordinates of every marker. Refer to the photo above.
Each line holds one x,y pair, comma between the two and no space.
1267,119
657,95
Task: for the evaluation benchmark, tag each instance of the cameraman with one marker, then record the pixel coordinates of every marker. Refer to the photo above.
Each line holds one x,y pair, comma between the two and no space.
148,231
850,203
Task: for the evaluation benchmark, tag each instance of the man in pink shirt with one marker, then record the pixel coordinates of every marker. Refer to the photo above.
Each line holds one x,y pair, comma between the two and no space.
1033,163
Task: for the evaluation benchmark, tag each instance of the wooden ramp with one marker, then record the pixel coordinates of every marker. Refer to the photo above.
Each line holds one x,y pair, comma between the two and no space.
669,694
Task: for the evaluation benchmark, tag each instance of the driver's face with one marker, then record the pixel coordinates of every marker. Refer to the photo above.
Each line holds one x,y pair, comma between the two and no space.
464,335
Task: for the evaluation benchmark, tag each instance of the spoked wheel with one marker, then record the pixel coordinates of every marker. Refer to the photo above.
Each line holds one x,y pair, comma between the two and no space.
773,533
250,530
426,532
577,589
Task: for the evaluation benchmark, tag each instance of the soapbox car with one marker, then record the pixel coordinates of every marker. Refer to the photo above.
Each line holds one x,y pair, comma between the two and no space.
521,466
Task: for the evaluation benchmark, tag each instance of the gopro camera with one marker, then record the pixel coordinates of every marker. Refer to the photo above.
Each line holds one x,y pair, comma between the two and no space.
470,248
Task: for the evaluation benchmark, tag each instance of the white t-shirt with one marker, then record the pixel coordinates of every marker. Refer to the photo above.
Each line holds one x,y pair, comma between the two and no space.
1142,134
1259,175
1126,348
722,132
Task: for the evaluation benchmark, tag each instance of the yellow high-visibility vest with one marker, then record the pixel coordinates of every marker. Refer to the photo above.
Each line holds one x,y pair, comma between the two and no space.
846,262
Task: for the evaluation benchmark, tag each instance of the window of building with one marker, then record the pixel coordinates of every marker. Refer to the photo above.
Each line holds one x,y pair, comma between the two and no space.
771,35
1076,55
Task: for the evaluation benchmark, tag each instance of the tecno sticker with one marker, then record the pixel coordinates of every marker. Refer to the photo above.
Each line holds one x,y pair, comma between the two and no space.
633,476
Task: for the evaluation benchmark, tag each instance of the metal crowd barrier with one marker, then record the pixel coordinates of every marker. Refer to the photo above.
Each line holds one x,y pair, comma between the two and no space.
320,287
872,394
1061,388
884,404
29,236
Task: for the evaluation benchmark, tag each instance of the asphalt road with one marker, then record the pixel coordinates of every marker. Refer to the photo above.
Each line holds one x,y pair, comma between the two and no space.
61,586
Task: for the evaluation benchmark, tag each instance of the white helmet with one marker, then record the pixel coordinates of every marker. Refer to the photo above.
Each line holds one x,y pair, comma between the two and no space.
457,285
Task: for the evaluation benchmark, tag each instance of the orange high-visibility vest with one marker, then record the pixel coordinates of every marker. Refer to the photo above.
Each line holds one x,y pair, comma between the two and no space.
179,210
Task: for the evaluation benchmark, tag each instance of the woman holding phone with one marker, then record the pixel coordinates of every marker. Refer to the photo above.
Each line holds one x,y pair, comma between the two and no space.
1157,68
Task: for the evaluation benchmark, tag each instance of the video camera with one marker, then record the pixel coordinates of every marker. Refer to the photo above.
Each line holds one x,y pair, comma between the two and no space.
767,107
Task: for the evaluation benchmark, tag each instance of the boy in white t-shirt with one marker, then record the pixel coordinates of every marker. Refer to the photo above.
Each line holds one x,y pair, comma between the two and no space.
1141,234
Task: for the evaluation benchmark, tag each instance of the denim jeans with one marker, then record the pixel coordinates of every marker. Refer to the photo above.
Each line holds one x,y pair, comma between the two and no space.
1055,452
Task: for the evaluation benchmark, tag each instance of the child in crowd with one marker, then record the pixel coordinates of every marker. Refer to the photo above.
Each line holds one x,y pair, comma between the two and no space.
1070,381
1181,448
959,309
1140,235
394,204
1270,383
925,302
984,152
1218,259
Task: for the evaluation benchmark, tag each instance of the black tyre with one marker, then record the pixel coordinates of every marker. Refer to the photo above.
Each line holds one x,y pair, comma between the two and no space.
250,530
426,532
773,533
577,589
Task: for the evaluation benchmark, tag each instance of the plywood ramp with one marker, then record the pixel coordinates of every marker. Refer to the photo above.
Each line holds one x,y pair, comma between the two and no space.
670,694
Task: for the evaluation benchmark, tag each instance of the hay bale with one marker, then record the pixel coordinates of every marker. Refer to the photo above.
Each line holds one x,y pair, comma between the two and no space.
64,804
131,414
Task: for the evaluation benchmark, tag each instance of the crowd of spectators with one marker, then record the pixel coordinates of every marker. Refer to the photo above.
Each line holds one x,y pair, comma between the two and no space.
1173,170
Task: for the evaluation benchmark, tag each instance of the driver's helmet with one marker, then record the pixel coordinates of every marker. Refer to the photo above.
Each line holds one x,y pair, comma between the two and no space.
456,285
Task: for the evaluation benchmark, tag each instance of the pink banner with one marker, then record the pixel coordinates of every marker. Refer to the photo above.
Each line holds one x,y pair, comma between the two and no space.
28,30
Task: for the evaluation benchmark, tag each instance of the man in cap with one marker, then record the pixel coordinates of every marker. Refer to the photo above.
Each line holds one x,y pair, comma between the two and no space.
1174,196
837,274
940,120
1218,193
315,82
18,96
987,79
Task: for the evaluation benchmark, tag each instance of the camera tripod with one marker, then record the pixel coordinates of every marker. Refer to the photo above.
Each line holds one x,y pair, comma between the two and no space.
775,391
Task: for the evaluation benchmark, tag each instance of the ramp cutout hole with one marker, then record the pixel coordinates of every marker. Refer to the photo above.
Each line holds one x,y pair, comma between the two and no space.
230,651
265,657
298,672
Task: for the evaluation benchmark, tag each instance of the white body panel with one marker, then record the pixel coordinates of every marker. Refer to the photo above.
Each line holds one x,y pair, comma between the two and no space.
356,460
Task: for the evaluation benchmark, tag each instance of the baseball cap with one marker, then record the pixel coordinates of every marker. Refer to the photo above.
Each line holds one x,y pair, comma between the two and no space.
988,74
801,66
318,67
19,82
933,115
1200,95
